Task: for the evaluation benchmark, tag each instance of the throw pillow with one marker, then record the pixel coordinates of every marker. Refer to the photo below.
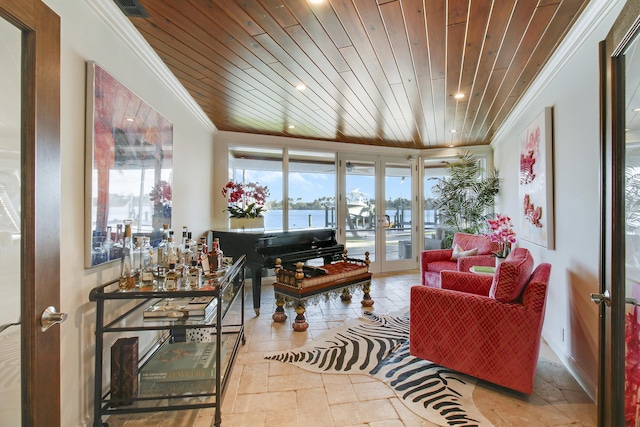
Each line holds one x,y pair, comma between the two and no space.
458,252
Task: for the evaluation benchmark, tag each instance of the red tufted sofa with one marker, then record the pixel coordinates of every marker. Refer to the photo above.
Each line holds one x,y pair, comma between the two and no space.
436,260
483,326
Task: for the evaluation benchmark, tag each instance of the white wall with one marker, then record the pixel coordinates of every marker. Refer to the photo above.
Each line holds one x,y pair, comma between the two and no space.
86,37
571,88
573,93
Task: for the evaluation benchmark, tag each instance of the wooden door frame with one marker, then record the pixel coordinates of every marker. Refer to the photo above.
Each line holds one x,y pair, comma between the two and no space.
611,376
40,157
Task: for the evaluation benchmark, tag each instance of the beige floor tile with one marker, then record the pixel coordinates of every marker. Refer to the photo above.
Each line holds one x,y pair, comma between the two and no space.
265,393
262,402
373,391
363,412
330,379
409,418
254,378
280,418
313,407
246,419
298,381
338,393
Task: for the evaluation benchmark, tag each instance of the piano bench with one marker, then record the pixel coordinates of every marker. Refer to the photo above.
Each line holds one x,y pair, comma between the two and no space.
339,278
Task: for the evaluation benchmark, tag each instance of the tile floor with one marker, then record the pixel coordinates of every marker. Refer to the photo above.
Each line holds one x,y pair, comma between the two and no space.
268,393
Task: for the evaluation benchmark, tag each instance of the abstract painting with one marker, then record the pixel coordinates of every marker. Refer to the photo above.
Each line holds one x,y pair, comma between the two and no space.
536,181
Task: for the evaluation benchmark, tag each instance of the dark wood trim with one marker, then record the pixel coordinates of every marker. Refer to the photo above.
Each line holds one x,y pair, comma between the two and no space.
617,239
40,157
604,363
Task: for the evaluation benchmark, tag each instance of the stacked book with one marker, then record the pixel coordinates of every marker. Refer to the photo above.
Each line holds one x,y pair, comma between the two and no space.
182,361
181,308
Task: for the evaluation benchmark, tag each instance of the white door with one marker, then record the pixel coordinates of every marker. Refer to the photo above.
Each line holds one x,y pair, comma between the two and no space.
375,210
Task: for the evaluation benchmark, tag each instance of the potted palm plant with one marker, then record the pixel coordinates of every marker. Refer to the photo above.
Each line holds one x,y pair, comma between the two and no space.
464,197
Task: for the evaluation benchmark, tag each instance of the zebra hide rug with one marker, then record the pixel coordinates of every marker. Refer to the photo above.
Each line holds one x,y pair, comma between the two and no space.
379,346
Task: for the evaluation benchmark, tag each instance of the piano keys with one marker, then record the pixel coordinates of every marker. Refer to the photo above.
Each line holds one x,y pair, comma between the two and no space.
263,247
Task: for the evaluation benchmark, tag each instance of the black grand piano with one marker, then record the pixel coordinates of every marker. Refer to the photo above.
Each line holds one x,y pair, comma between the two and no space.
262,248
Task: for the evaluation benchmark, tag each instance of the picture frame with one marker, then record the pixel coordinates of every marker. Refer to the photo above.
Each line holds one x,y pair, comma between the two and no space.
129,167
536,181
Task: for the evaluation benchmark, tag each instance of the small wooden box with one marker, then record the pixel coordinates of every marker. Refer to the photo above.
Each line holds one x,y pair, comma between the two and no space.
124,371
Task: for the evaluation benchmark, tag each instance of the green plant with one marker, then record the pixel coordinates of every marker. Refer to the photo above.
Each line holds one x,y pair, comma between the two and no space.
465,195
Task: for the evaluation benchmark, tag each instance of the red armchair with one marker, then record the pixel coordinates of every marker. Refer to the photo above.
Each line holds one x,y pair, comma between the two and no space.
437,260
483,326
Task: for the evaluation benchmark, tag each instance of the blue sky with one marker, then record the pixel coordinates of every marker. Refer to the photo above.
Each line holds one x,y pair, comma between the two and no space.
310,186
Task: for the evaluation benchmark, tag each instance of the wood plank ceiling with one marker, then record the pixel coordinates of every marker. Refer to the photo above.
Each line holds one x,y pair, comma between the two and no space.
376,72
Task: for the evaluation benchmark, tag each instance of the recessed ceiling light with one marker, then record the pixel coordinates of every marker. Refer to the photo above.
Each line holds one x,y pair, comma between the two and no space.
129,119
453,131
458,95
291,127
301,87
636,109
316,1
451,146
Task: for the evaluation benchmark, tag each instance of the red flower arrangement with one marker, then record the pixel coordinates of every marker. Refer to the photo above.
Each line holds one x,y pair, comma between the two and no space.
502,233
246,200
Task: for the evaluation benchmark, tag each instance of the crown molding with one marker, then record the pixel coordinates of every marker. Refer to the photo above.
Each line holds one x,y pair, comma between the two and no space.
581,31
113,17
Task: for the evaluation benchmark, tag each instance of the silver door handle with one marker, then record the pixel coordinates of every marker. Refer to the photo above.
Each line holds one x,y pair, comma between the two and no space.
602,298
631,301
51,317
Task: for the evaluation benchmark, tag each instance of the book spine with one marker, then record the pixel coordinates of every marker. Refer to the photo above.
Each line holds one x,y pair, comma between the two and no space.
124,371
179,375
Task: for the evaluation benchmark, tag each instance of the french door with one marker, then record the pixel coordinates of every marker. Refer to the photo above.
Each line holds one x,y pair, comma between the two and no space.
376,210
619,378
29,213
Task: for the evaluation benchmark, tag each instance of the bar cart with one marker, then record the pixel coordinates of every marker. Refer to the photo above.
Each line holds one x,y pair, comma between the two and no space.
218,331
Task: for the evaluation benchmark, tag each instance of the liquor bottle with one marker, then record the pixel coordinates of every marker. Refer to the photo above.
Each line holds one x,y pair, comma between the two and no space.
185,232
194,277
188,249
162,247
193,243
183,250
127,280
204,256
108,243
216,254
146,267
171,278
137,253
171,253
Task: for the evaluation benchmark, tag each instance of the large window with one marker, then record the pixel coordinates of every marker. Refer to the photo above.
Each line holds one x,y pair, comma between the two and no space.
305,200
311,189
262,166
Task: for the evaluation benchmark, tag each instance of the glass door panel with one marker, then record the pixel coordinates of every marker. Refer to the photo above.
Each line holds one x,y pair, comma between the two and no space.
632,233
10,223
396,222
378,211
360,198
433,172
